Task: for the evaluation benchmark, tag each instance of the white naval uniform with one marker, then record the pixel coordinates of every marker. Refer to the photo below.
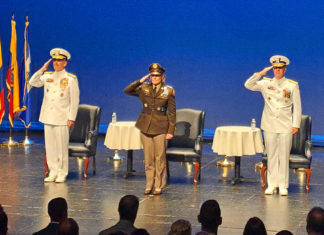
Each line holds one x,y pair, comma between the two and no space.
282,112
60,104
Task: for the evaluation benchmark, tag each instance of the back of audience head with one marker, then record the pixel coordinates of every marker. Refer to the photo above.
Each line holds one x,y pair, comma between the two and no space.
57,209
210,215
128,206
315,221
284,232
254,226
68,226
180,227
3,221
140,231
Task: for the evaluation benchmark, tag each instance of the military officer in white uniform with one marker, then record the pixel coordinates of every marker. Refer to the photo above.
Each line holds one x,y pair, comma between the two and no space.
58,112
280,120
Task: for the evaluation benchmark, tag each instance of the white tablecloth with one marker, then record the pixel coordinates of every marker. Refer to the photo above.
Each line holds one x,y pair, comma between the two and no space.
237,141
123,135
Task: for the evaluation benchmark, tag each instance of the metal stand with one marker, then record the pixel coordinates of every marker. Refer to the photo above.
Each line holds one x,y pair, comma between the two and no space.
10,142
225,162
237,176
27,141
116,157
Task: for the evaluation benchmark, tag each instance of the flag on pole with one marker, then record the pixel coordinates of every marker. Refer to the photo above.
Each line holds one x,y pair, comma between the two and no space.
2,99
25,116
12,76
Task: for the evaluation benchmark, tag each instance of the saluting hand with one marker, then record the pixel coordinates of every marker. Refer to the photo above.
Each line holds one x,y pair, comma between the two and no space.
265,71
45,66
143,79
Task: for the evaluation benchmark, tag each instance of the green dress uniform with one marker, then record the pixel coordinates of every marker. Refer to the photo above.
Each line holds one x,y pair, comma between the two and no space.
157,119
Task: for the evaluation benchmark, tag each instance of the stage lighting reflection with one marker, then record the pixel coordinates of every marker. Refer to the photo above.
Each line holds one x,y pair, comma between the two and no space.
189,167
224,171
116,165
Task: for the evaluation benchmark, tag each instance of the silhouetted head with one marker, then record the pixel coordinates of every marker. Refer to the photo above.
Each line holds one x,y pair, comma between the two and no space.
254,226
3,221
57,209
210,216
180,227
128,206
284,232
315,221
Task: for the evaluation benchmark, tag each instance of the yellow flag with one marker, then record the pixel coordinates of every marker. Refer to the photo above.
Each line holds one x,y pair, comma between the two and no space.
14,69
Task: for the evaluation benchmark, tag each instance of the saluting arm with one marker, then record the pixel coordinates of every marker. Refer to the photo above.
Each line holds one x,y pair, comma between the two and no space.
36,80
252,83
132,89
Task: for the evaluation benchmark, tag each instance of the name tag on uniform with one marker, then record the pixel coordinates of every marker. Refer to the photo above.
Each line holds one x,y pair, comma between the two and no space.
271,88
49,80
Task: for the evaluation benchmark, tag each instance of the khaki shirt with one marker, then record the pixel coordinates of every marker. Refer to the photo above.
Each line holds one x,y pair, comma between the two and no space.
61,96
282,105
158,115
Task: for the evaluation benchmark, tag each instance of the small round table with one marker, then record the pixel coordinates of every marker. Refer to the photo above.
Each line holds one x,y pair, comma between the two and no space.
124,136
237,141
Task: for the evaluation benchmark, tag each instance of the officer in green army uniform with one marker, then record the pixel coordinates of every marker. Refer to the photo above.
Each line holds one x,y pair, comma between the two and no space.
156,123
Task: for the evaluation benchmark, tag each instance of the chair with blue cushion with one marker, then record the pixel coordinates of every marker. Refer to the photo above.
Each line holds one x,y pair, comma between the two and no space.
186,145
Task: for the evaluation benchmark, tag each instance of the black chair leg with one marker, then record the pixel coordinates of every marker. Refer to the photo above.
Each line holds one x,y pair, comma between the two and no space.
94,164
167,168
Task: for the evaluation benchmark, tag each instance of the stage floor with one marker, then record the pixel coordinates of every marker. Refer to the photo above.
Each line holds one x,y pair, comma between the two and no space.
93,202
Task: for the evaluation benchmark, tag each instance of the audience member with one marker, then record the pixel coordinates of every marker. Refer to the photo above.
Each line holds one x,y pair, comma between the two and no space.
284,232
315,221
254,226
209,217
3,222
58,211
68,226
180,227
128,206
140,231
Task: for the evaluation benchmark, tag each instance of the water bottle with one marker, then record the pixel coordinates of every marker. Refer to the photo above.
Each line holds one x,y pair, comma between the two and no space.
114,117
253,124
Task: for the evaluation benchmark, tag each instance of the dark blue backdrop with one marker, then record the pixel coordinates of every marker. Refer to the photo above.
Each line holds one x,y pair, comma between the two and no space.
209,48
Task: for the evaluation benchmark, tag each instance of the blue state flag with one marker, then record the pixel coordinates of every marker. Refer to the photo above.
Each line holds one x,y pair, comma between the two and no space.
25,116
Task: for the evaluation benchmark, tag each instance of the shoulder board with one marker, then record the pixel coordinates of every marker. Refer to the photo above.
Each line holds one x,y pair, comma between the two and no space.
49,72
266,78
72,75
293,81
171,89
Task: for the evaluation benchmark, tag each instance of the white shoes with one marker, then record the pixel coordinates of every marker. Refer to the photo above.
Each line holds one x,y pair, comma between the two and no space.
60,179
283,192
270,191
50,178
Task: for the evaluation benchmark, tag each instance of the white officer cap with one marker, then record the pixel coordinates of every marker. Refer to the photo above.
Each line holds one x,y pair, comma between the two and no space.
279,61
60,54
